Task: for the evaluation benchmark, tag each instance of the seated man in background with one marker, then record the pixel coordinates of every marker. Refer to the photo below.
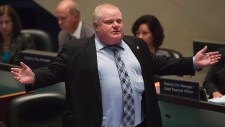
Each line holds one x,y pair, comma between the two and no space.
69,21
12,41
215,79
148,28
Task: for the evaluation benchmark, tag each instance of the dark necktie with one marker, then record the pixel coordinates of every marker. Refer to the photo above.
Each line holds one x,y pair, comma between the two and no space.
72,37
127,92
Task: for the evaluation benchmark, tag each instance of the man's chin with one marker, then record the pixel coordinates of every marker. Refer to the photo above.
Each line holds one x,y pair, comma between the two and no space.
117,36
63,29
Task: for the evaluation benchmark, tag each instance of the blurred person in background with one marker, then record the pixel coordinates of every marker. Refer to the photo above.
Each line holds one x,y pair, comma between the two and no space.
148,28
215,78
69,21
12,41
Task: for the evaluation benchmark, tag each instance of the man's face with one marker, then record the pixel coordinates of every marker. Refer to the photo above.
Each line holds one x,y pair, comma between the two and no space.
67,21
109,28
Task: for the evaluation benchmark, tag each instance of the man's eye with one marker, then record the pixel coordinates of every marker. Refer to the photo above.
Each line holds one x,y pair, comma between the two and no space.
119,21
108,22
62,18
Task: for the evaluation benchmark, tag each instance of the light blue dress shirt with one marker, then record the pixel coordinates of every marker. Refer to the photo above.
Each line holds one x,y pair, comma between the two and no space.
111,86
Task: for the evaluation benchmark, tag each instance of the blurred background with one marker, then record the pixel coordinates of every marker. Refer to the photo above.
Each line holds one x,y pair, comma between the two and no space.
183,20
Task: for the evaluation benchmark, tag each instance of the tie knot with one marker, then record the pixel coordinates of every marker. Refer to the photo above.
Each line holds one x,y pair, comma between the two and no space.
72,37
113,48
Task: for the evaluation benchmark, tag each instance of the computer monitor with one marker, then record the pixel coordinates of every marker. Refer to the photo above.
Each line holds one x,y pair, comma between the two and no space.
203,95
212,46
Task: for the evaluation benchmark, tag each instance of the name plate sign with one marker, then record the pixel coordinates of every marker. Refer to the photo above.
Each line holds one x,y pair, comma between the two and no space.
183,88
35,59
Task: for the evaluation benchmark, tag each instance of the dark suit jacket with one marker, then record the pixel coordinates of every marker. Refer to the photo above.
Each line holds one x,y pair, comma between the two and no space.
19,43
86,31
215,78
76,64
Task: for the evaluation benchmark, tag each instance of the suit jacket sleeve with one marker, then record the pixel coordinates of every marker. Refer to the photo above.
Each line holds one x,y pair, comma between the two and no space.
162,65
52,73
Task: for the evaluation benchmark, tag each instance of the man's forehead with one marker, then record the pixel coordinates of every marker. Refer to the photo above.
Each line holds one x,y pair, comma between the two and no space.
111,18
62,14
62,11
111,14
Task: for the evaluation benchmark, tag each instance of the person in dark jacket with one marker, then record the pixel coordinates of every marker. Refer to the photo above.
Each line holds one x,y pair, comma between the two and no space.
109,76
215,78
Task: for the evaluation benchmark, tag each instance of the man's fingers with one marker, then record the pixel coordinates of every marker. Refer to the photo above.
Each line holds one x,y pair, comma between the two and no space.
214,53
23,65
20,82
13,72
16,78
215,56
204,49
14,69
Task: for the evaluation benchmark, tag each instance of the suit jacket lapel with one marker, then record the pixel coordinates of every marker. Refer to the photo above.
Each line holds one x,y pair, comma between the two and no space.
82,32
135,48
90,53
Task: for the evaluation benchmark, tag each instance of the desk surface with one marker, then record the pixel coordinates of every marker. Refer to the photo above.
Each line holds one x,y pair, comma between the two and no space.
8,85
192,103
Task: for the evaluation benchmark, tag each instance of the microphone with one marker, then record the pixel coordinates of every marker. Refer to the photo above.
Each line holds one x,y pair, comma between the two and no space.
174,121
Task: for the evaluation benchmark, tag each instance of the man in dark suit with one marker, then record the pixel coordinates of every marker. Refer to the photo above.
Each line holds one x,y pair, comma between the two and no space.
69,21
94,85
215,78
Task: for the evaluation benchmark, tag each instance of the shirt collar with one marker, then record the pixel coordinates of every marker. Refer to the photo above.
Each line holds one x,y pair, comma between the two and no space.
100,45
78,31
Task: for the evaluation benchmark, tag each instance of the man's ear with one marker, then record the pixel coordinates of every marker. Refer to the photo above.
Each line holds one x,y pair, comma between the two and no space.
95,26
76,16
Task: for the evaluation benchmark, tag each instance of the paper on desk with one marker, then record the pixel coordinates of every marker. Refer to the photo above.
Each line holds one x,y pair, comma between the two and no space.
219,100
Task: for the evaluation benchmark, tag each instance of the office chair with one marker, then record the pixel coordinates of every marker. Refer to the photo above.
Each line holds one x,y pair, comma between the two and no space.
173,53
43,40
36,110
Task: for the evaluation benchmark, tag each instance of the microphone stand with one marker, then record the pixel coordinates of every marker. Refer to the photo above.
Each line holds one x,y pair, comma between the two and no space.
174,121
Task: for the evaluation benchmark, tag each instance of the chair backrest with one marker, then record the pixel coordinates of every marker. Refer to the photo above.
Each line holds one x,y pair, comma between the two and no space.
37,110
173,53
43,40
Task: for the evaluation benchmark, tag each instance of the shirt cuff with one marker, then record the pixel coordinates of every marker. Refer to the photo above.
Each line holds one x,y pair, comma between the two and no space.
32,84
196,69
